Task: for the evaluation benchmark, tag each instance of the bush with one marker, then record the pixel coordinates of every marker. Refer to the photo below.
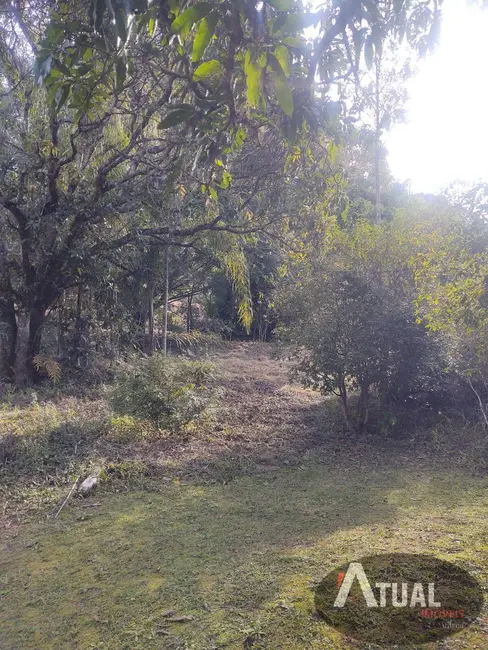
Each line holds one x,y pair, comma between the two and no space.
355,335
167,391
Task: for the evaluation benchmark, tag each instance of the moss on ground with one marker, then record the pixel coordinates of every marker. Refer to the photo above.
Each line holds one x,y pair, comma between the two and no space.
240,558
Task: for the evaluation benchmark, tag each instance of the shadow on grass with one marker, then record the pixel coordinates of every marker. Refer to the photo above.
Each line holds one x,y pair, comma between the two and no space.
222,546
47,454
225,554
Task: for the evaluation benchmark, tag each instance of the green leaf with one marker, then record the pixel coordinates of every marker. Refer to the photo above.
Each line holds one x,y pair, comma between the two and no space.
121,24
207,69
226,180
332,110
53,91
284,94
262,59
55,74
62,96
151,25
98,10
42,67
204,35
82,70
333,150
174,6
60,66
176,117
120,72
282,56
213,193
190,16
294,41
294,23
239,138
369,52
252,70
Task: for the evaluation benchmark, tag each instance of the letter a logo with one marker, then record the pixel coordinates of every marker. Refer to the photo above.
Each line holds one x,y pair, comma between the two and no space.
355,571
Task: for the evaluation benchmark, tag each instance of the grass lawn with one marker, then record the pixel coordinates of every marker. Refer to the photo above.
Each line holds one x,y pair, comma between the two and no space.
239,556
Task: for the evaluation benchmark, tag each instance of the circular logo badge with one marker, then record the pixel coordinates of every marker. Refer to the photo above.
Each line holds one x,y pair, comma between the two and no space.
398,598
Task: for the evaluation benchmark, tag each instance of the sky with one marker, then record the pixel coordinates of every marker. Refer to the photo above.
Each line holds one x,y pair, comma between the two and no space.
445,138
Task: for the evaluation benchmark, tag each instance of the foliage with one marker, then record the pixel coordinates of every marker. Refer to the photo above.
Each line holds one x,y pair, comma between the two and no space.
262,262
416,291
356,335
228,57
167,391
146,127
194,341
48,365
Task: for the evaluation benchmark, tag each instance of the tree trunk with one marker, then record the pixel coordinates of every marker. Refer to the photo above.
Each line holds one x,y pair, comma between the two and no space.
363,409
377,110
8,325
165,299
345,405
150,314
75,357
60,334
35,325
189,316
152,267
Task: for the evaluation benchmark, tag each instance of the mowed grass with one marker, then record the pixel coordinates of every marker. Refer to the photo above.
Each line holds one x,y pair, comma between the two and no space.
240,558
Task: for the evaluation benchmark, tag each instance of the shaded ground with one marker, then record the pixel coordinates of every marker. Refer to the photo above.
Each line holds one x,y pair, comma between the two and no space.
234,527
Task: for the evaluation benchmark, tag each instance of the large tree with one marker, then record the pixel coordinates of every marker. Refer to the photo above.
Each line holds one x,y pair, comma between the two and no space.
138,103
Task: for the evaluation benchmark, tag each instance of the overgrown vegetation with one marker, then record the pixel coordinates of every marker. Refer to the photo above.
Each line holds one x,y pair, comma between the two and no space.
365,315
178,175
167,392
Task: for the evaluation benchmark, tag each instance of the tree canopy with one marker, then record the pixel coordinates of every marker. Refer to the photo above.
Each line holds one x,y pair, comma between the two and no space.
138,136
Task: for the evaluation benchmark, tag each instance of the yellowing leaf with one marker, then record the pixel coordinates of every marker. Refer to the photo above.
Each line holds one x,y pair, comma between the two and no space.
283,92
252,71
283,57
190,16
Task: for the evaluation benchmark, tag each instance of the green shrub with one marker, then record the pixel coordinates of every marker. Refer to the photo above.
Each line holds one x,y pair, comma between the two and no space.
355,336
167,391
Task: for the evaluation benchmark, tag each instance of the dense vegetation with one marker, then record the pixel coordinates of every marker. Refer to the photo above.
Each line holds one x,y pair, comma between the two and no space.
180,171
148,149
182,180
